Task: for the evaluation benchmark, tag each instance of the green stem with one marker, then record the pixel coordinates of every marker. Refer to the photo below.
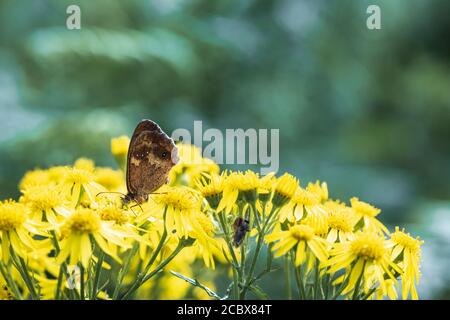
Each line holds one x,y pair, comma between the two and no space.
10,281
262,232
340,289
299,281
146,277
124,270
253,265
256,216
327,285
98,271
368,294
177,250
235,282
358,283
243,253
316,279
82,283
72,292
228,240
235,264
155,254
287,273
20,265
58,284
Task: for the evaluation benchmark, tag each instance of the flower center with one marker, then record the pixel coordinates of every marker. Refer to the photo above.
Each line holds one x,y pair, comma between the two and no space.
12,215
406,241
85,164
43,198
211,191
178,199
302,232
306,198
341,220
114,214
364,208
78,176
368,246
244,182
81,221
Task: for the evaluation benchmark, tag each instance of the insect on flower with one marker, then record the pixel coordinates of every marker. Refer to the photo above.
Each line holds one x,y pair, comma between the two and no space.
241,227
151,155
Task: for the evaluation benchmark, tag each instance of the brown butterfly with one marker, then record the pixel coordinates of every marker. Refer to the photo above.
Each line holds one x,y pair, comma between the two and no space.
151,155
241,227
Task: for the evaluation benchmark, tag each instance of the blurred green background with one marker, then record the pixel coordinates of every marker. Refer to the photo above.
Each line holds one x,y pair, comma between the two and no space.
366,111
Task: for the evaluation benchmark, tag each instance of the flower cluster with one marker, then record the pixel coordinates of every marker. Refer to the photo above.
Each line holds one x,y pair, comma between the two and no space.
69,236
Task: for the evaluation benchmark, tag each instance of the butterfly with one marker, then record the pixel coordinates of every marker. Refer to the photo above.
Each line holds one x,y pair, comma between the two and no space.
151,155
241,227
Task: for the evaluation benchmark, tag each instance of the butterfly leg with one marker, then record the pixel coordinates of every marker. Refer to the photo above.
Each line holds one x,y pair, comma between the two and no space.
136,205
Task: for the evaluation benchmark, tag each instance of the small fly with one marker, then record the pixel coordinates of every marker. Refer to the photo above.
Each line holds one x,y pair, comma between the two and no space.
241,227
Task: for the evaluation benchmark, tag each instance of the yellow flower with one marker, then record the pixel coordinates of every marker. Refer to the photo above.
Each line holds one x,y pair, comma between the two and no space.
304,238
57,173
319,189
367,214
368,250
191,166
211,187
305,204
113,180
370,282
203,231
407,250
119,149
112,213
85,164
318,223
77,182
47,286
119,146
45,202
15,230
35,178
341,222
266,186
184,218
179,203
77,231
239,186
285,188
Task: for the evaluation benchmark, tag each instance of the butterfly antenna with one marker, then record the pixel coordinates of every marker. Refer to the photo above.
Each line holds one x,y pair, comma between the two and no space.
122,194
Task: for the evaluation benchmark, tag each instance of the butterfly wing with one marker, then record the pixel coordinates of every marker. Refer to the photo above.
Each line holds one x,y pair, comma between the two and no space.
149,158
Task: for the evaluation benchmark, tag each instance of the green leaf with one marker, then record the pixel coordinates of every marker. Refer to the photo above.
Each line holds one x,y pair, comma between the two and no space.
257,291
196,283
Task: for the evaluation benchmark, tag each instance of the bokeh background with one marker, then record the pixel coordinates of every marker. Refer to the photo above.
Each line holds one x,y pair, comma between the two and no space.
366,111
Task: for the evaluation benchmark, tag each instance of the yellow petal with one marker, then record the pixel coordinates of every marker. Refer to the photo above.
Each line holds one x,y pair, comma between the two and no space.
86,250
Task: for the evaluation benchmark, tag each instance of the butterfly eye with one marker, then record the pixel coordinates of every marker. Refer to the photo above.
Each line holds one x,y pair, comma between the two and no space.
164,154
